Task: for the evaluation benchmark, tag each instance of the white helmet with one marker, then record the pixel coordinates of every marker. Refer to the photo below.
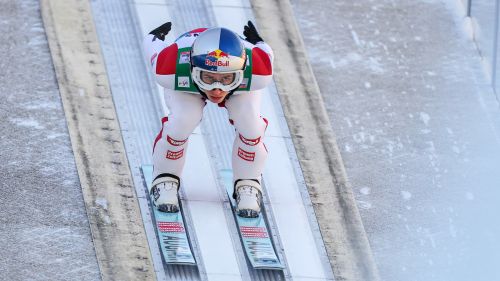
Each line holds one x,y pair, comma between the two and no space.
218,50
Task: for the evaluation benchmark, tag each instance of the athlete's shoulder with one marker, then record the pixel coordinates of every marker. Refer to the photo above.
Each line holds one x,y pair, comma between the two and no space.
262,58
167,58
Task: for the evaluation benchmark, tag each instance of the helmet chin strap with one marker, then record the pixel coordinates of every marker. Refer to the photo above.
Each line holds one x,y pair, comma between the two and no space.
230,93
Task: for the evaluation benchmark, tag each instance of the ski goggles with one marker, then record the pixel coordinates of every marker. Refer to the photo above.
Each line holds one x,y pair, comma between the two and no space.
209,80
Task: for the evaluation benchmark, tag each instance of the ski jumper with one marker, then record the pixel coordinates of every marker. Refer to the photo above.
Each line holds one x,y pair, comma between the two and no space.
171,68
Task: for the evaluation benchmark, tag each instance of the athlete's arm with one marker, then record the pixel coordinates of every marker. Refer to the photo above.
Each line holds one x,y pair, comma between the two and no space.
161,55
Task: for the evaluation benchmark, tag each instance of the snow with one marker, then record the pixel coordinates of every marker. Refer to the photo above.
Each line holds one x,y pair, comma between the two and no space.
469,196
364,204
44,229
365,190
30,123
102,202
415,116
430,145
355,38
406,195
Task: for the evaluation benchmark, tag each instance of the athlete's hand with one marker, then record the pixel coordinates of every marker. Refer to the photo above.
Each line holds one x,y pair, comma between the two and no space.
161,31
251,34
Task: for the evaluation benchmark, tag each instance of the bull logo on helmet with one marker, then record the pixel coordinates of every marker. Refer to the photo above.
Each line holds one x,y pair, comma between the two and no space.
218,54
217,58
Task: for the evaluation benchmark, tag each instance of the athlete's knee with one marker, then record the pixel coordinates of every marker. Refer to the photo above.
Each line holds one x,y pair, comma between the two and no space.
183,123
251,127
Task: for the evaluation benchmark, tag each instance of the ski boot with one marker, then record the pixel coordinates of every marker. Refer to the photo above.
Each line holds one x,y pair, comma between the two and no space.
164,194
248,197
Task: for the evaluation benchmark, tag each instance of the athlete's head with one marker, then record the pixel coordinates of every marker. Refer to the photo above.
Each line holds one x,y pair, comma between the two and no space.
218,59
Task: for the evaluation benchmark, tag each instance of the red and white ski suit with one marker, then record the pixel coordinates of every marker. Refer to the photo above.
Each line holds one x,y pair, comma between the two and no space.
186,108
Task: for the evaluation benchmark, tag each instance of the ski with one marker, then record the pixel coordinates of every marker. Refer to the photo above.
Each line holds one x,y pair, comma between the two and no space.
254,233
170,229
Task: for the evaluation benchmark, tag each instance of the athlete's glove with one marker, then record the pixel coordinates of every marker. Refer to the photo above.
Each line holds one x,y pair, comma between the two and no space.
161,31
251,34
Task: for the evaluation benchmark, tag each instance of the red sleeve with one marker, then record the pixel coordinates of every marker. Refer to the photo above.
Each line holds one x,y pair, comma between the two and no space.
261,63
165,65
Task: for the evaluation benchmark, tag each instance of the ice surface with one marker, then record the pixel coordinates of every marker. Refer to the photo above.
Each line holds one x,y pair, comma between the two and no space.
417,124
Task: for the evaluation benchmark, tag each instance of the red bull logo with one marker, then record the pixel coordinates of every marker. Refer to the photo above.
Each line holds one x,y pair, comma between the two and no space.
218,54
217,58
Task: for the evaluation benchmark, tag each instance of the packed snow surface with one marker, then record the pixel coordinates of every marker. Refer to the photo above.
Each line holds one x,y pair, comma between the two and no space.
44,231
417,123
